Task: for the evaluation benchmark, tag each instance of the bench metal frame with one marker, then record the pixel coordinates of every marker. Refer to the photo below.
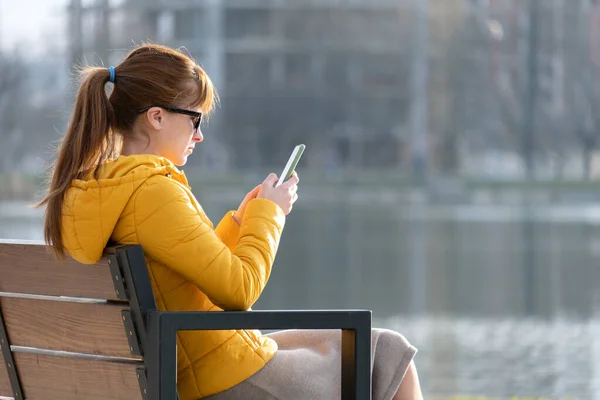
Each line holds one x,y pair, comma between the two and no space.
9,361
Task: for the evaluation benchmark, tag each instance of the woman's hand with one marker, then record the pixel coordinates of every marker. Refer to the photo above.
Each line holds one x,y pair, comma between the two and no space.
239,214
284,195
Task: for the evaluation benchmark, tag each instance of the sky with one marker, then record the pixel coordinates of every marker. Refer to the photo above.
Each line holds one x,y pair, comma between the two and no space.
32,23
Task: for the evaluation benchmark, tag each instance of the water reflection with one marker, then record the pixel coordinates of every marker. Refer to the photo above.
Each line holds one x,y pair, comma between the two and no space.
392,262
505,357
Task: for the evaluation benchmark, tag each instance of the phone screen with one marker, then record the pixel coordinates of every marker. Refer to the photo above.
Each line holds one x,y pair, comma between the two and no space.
291,164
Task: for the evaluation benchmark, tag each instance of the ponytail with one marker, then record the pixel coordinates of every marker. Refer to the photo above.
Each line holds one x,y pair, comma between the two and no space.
89,140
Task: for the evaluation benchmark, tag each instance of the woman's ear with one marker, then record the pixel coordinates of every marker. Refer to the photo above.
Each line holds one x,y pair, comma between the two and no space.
155,117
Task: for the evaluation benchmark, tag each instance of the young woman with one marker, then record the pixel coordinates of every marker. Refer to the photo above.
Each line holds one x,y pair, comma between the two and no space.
116,179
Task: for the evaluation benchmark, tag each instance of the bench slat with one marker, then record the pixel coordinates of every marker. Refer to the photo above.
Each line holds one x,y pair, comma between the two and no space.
32,269
5,389
58,378
74,327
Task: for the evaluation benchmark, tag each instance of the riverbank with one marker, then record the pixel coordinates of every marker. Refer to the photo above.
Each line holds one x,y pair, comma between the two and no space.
444,190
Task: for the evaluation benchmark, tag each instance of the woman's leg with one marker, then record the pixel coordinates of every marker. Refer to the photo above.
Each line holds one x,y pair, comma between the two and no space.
410,388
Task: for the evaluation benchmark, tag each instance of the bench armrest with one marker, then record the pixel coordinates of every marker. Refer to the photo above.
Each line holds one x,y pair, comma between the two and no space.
162,328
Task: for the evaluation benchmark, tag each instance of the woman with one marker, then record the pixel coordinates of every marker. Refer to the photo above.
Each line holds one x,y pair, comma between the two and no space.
116,179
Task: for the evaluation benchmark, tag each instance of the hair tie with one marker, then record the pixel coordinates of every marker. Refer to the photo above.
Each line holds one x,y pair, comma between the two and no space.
112,74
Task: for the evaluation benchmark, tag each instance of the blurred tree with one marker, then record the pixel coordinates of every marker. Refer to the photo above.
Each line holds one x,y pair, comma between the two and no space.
476,113
464,69
515,82
568,92
583,114
583,92
13,109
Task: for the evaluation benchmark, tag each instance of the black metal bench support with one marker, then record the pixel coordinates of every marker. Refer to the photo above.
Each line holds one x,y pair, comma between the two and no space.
9,361
356,342
158,338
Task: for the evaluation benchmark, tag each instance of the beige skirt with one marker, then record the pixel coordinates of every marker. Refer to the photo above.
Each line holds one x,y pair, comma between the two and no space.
307,366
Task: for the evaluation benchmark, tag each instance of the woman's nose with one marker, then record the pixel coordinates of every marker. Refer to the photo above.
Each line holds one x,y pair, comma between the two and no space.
198,137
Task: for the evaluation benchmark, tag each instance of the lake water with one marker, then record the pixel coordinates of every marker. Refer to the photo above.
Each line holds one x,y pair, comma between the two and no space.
500,300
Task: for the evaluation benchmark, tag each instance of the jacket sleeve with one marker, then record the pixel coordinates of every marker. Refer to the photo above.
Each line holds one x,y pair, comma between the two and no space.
172,231
228,230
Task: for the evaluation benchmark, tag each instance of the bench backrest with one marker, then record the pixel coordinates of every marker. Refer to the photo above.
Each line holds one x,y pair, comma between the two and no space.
69,328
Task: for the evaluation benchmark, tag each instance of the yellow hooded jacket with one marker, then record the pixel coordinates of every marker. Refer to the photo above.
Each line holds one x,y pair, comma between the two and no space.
146,200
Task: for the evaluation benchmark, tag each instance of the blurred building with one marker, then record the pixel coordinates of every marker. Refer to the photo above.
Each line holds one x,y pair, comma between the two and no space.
526,82
332,74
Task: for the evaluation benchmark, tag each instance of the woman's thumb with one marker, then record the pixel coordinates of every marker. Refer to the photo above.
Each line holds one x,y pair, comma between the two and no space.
254,192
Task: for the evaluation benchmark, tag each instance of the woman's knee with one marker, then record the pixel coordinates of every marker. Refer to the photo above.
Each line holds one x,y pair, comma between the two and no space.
388,337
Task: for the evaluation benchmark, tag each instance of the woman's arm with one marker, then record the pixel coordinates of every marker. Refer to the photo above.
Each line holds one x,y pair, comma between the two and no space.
228,230
171,231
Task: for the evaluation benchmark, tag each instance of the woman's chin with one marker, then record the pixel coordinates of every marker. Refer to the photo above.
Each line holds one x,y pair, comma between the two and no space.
181,160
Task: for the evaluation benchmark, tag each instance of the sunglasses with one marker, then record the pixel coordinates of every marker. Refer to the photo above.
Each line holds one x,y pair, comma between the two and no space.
196,116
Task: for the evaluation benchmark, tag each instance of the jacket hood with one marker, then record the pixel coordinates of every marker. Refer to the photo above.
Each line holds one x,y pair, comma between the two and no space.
92,208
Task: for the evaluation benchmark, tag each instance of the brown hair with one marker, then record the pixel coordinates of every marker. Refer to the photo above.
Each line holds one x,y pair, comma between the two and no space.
151,74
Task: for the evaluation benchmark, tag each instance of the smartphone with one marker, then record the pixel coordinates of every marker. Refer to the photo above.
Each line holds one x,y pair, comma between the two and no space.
291,164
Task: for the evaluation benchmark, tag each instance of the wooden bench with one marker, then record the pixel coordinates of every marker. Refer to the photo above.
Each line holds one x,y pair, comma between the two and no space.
76,331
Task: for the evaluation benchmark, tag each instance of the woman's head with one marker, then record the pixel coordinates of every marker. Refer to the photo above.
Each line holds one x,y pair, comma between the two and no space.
158,96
